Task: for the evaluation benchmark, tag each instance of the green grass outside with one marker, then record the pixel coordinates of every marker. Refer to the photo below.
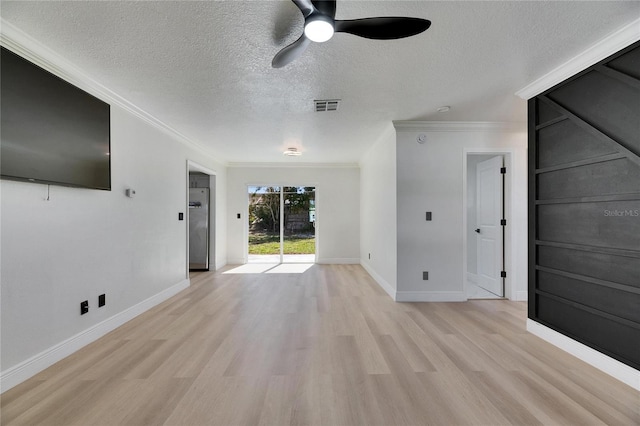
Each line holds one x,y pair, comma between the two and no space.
270,244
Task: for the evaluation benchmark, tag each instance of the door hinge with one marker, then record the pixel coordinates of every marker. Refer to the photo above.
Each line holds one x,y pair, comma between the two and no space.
503,274
503,170
503,222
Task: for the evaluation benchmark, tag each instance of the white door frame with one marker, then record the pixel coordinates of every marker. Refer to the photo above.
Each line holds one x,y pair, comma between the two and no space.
192,166
510,290
279,185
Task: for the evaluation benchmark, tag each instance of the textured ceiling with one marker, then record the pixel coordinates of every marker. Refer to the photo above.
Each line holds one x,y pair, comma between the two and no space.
204,67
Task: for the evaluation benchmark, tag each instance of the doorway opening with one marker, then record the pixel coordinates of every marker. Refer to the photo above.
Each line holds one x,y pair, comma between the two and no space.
201,218
282,224
485,226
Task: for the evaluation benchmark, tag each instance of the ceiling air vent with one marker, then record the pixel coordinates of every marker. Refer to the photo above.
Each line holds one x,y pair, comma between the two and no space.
326,105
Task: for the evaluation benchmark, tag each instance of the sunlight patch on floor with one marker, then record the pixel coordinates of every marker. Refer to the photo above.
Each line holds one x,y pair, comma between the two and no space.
251,268
270,268
290,268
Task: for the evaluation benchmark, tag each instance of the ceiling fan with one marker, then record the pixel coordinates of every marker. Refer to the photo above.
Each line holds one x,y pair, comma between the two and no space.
320,24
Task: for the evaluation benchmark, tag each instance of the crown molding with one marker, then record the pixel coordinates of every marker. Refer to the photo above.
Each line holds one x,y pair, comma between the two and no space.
459,126
296,165
606,47
16,40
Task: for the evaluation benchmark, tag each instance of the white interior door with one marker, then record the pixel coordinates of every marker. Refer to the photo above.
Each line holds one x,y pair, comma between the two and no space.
489,232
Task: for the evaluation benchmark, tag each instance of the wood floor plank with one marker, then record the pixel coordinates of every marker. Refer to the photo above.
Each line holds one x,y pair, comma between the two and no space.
559,405
508,404
353,392
324,347
424,341
372,358
409,387
314,402
390,397
607,390
470,405
134,352
415,357
277,407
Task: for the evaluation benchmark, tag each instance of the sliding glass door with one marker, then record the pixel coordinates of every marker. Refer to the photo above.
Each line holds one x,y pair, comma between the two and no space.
281,224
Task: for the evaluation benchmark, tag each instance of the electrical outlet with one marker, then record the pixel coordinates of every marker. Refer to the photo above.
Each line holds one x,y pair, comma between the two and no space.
428,216
84,307
102,300
425,275
369,255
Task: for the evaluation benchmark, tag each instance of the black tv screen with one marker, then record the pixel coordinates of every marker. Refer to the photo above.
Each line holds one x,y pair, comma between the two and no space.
51,131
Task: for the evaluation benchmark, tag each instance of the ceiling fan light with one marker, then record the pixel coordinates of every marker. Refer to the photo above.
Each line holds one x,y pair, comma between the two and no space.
318,29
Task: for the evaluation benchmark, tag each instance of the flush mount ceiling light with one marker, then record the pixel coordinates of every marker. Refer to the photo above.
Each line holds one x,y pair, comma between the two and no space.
292,152
443,109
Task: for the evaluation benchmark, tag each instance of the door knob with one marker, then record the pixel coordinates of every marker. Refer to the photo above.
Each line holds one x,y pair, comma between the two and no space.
478,230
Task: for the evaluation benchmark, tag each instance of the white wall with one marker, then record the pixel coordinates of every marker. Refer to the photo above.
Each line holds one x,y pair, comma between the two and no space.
337,207
430,178
82,243
378,217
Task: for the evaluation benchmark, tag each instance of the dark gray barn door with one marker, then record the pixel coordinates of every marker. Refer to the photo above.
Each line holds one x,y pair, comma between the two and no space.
584,207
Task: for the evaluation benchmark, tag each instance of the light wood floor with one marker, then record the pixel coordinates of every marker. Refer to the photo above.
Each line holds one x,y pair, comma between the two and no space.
326,347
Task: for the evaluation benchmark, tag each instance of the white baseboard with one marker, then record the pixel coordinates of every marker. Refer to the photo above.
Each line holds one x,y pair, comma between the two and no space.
522,296
378,279
339,261
32,366
431,296
612,367
238,261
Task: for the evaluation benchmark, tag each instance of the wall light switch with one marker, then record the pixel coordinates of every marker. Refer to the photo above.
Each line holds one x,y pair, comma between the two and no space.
428,215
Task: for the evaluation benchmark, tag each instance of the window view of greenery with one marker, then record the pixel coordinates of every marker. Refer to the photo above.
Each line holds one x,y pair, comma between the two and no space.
298,220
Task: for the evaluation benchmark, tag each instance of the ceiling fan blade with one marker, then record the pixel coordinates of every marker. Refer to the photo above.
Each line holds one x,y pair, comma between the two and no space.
305,6
326,7
387,28
291,52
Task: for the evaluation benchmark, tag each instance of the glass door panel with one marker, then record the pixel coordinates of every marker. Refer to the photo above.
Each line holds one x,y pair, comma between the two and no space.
299,220
264,224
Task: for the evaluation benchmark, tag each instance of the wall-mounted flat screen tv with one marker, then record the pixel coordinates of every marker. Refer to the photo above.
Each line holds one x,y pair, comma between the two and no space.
51,131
